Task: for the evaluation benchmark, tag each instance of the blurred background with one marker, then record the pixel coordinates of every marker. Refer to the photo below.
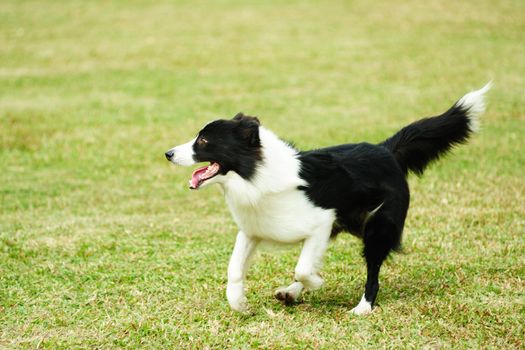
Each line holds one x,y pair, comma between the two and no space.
102,244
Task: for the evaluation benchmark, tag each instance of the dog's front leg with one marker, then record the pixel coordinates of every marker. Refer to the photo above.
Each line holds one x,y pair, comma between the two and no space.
306,271
243,250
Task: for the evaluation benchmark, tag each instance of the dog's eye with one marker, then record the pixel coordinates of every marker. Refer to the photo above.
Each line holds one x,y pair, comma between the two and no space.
201,140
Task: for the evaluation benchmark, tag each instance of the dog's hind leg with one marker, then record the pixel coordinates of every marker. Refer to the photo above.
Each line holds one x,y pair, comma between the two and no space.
306,271
381,236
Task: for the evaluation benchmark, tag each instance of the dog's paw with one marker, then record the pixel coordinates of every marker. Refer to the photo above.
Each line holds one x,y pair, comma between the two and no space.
286,297
363,308
240,305
236,298
289,295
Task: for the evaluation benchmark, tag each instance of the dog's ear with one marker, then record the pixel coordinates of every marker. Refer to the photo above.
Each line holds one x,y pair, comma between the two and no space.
248,128
241,116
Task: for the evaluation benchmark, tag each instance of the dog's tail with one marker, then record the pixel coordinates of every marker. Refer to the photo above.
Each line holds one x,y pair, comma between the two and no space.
426,140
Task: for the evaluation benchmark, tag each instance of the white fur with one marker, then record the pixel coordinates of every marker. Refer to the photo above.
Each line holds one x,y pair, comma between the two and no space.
183,154
279,172
269,207
363,308
243,250
370,214
474,103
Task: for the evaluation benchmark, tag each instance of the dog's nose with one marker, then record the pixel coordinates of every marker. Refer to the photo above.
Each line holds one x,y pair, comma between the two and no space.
169,155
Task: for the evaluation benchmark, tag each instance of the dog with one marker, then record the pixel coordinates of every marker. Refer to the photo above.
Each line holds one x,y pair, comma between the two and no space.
278,193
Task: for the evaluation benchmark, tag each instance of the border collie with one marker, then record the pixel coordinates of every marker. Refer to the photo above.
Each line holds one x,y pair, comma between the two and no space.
280,194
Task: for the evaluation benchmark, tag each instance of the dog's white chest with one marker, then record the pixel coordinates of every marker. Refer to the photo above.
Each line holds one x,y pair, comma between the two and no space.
282,217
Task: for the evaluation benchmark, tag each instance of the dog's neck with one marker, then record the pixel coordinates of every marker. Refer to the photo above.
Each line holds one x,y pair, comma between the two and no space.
278,171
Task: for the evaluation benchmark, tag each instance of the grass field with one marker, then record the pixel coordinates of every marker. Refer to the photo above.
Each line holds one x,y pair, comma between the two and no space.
103,246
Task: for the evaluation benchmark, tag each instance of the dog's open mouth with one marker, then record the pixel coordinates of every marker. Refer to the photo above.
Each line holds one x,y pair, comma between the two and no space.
202,174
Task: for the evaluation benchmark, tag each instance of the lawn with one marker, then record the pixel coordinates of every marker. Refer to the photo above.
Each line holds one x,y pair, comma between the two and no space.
102,245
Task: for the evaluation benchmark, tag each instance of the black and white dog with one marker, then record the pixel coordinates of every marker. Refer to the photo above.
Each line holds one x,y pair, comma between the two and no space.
280,194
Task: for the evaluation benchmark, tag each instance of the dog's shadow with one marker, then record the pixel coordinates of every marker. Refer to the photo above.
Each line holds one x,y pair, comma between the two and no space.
344,297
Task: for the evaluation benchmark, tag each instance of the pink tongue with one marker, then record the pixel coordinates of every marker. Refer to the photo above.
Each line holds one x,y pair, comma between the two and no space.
196,177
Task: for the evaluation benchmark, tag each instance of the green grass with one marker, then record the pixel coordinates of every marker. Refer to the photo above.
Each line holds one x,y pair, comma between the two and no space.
103,246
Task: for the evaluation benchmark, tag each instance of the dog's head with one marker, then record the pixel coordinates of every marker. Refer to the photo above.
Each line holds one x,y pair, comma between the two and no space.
228,145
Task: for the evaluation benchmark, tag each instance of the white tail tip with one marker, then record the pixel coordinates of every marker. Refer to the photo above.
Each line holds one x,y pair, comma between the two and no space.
474,105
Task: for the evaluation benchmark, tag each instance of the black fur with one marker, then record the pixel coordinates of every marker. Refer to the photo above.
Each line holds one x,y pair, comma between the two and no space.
233,144
355,179
424,141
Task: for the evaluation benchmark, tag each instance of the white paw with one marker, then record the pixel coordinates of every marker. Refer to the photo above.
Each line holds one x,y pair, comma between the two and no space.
239,305
236,297
290,294
363,308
